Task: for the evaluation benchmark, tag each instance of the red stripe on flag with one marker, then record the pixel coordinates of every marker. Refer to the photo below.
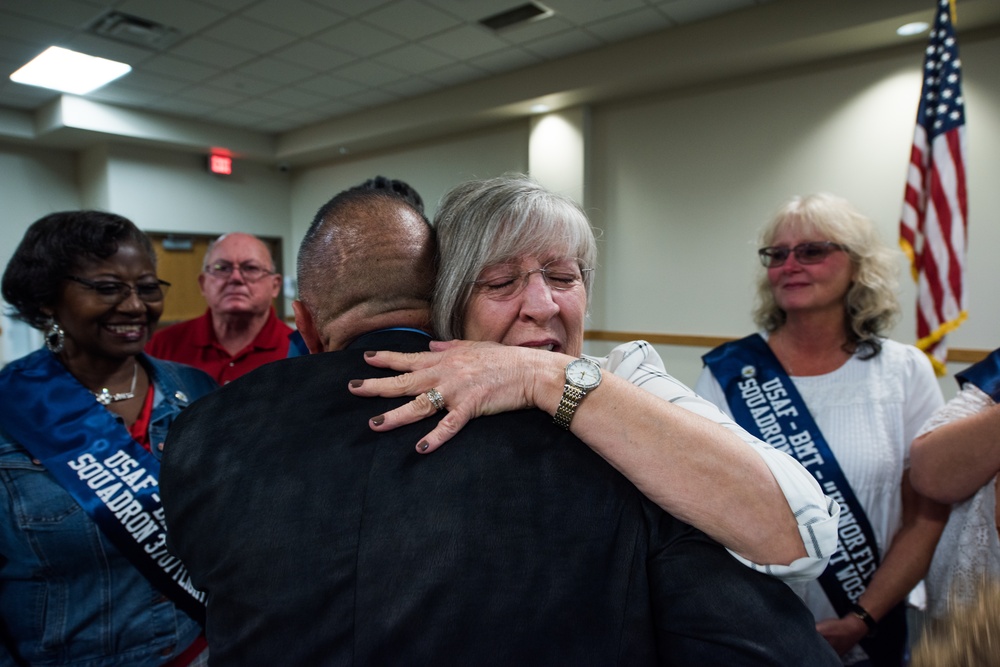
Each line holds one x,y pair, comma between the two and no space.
958,160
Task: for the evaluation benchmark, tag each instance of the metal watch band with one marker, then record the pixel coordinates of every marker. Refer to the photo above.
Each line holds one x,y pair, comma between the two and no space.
568,404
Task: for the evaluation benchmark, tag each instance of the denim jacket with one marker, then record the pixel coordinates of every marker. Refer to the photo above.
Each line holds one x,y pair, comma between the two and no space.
67,595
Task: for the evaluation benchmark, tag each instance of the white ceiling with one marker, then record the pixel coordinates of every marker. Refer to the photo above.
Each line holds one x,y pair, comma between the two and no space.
275,65
302,79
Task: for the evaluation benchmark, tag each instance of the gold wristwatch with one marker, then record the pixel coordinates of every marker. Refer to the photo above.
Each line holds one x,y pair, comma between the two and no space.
582,376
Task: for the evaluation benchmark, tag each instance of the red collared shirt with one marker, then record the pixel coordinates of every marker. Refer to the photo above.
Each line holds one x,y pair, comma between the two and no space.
194,343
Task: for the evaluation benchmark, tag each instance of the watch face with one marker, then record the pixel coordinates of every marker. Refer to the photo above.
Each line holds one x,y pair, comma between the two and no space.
583,373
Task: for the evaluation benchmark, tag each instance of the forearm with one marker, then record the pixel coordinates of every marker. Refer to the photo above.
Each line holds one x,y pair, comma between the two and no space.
955,460
690,466
908,557
905,563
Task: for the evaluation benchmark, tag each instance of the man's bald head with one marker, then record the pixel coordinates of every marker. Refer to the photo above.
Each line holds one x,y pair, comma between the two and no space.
367,262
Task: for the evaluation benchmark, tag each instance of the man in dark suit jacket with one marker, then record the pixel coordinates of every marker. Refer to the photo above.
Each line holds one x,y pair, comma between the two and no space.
321,542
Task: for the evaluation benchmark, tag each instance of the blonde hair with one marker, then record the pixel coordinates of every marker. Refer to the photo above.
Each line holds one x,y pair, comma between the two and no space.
968,637
871,304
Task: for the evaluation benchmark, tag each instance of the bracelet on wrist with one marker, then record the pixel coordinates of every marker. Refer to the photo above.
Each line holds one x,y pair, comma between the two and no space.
863,614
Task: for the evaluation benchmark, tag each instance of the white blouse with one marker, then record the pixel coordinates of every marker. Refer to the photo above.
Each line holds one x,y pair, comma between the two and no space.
869,412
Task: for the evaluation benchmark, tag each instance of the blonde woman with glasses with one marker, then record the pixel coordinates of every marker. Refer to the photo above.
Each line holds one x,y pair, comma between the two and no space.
822,382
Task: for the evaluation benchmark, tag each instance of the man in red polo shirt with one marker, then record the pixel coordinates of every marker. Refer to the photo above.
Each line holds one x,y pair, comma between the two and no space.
240,330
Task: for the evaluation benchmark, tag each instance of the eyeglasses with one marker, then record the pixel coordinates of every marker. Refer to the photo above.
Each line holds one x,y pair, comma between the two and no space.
506,281
813,252
250,272
114,292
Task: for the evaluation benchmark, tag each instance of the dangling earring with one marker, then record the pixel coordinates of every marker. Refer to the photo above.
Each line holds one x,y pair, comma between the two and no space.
54,337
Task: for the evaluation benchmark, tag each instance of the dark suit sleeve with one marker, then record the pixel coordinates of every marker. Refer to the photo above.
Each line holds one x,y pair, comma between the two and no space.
709,609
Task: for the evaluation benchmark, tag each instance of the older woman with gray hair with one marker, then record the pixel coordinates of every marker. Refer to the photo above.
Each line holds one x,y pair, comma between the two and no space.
823,382
515,273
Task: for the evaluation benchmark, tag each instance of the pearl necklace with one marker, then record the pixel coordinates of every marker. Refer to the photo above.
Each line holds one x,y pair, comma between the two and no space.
105,397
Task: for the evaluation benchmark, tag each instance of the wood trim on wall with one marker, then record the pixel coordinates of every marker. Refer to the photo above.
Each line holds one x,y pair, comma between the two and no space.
955,355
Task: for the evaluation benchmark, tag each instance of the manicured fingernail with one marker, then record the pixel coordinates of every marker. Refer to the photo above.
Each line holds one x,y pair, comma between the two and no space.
370,354
356,383
422,446
378,420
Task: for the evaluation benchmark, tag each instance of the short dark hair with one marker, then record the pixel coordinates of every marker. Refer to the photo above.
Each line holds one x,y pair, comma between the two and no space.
56,245
345,257
395,186
356,196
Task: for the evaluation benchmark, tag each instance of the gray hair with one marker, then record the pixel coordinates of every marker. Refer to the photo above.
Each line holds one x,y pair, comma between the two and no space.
486,222
871,304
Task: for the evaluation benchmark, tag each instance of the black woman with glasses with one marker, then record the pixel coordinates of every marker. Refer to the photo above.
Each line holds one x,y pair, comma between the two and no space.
822,382
85,576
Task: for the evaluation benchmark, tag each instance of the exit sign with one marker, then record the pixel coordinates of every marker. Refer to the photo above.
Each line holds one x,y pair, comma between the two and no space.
220,164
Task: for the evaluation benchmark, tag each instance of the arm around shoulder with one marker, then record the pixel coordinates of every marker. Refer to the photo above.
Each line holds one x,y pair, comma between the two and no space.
691,459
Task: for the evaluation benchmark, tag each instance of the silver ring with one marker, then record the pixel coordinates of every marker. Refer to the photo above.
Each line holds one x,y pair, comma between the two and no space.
436,399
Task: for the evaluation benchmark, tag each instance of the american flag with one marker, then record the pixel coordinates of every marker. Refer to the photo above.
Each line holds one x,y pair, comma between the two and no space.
934,224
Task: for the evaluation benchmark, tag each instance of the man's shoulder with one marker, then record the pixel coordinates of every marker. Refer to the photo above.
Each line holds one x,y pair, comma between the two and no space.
312,378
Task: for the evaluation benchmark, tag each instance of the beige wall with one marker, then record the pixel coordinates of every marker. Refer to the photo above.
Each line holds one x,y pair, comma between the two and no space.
34,182
168,191
431,169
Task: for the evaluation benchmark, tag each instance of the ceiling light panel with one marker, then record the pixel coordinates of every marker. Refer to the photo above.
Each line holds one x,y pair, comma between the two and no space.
68,71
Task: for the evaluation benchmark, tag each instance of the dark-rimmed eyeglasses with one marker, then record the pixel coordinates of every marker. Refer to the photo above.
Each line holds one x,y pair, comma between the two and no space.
114,291
250,271
813,252
506,281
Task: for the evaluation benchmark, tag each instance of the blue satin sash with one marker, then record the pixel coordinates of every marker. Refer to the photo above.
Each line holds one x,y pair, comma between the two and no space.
112,477
984,374
764,401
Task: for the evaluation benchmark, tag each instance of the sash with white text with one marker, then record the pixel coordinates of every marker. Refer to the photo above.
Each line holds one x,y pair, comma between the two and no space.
764,401
984,374
112,477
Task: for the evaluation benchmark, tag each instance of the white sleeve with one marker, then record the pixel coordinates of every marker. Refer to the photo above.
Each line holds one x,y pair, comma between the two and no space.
970,400
816,514
923,396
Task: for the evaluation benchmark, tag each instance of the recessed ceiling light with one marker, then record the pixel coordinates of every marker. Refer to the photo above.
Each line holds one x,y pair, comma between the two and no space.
69,71
539,108
911,28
